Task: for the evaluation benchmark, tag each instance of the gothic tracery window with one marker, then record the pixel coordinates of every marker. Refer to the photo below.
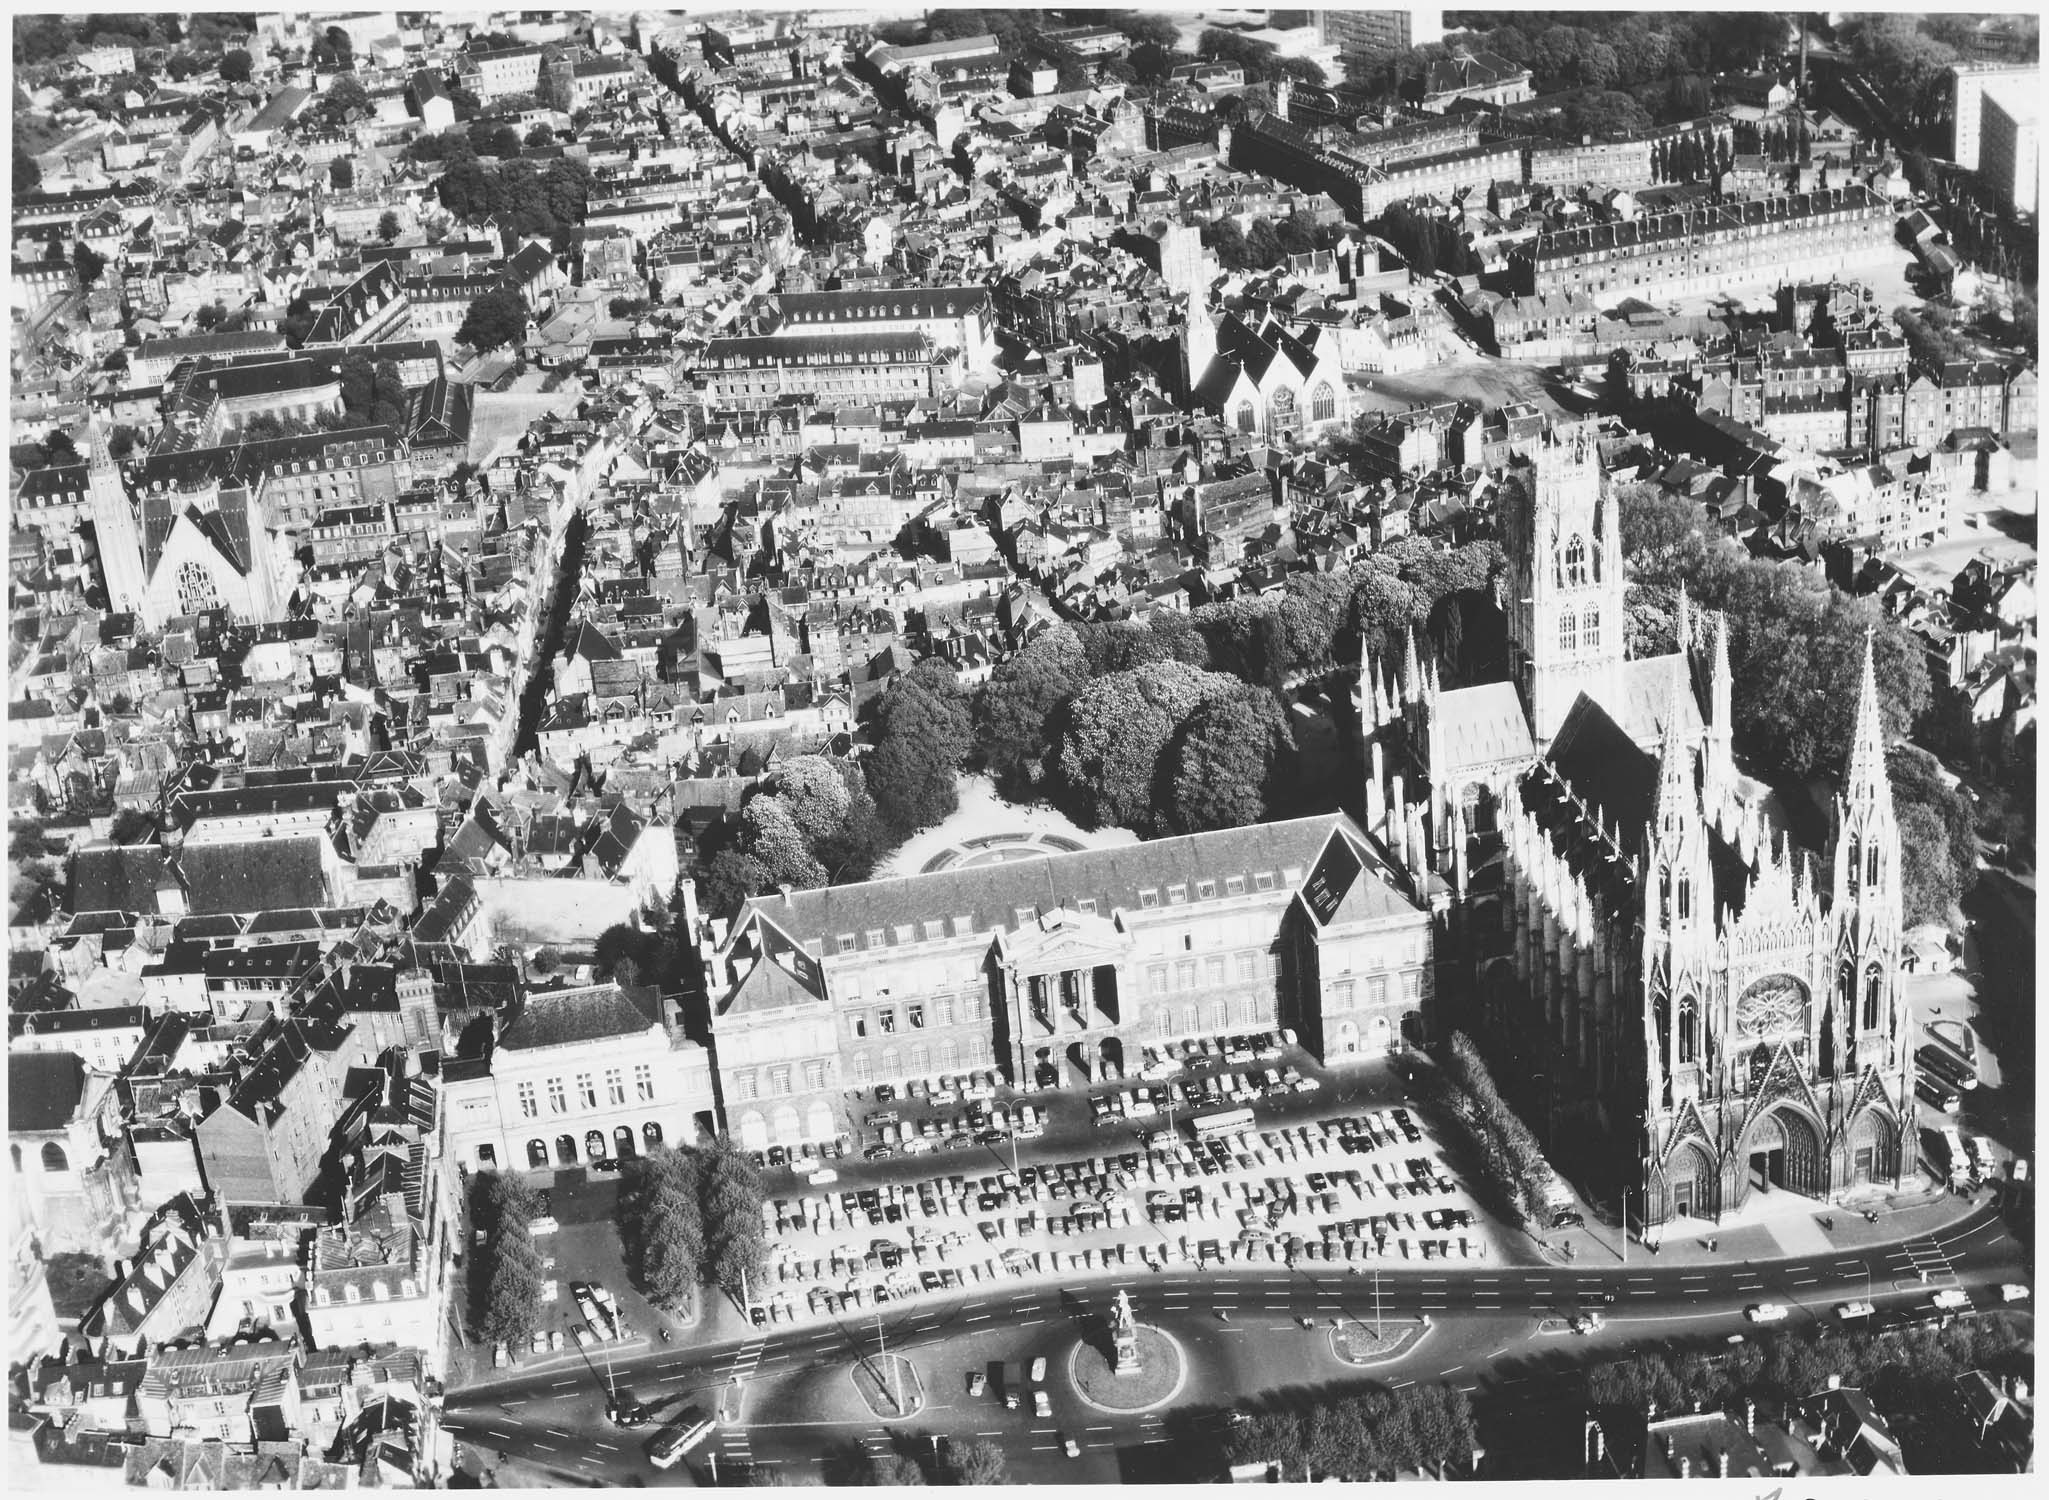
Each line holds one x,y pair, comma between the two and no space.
1575,565
1874,991
1568,631
1689,1030
196,591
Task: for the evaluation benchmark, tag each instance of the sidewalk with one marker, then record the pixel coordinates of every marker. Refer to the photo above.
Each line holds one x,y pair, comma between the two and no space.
1771,1226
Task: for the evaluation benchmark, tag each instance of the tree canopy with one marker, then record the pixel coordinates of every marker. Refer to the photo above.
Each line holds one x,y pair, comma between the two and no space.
1116,729
1015,708
495,318
1227,761
923,733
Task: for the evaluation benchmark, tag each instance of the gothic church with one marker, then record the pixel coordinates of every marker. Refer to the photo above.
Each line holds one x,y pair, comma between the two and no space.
1678,980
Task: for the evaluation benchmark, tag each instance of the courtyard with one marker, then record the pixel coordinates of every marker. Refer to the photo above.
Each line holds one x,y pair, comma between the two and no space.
985,829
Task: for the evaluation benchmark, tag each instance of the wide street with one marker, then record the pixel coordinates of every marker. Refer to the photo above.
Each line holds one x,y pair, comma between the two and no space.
797,1408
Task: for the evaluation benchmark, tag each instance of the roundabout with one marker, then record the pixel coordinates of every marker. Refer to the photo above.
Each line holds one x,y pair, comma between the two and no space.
1162,1372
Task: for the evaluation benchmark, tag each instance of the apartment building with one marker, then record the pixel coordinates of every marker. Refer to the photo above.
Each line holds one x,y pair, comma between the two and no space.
1969,85
1698,251
2007,159
832,369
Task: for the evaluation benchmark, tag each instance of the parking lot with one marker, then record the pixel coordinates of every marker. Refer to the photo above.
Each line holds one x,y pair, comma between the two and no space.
1217,1189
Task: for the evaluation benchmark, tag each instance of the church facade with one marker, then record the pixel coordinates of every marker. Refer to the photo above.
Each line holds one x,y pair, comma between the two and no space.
183,552
1718,1007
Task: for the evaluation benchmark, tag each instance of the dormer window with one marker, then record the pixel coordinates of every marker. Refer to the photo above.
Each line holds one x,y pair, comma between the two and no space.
1148,899
1177,895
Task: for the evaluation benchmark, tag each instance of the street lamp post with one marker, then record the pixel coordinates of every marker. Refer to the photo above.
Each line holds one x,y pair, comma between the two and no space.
1377,1334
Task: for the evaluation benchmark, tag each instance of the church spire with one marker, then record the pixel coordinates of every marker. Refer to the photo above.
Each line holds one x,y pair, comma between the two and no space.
1682,627
1412,673
1676,800
1867,744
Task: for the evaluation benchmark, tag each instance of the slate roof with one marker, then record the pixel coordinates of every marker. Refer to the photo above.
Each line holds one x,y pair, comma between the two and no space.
558,1018
255,875
992,894
1647,698
43,1090
1606,767
124,878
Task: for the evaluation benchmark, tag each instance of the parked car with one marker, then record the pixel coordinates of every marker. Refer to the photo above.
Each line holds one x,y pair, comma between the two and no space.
2013,1291
1852,1312
1765,1312
978,1383
1073,1448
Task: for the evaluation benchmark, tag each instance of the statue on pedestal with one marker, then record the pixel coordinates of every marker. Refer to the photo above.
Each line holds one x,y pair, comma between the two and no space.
1124,1337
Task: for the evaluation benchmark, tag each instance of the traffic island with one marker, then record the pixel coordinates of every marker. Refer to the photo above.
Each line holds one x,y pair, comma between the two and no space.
1162,1371
889,1384
1361,1346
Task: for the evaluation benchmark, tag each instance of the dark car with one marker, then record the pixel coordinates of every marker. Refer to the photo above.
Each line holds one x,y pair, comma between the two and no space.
544,1205
880,1153
605,1164
991,1138
627,1412
884,1092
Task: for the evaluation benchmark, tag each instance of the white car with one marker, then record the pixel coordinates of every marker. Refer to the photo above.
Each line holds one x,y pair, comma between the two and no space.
1850,1312
1952,1299
2013,1291
1765,1312
544,1224
1306,1085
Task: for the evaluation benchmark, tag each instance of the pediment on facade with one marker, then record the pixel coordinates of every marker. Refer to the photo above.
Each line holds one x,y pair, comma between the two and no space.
1065,939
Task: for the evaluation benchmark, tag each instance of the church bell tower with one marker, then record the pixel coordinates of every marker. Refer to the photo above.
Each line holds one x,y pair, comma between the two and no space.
1563,540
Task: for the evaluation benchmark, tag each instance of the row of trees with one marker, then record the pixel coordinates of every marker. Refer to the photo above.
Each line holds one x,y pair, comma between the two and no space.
1796,655
1264,245
662,1225
1429,240
1779,142
1697,157
505,1269
1510,1159
1913,1371
689,1218
1373,1434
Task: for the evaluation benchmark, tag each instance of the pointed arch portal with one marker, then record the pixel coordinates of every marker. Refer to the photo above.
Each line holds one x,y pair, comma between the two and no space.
1784,1151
